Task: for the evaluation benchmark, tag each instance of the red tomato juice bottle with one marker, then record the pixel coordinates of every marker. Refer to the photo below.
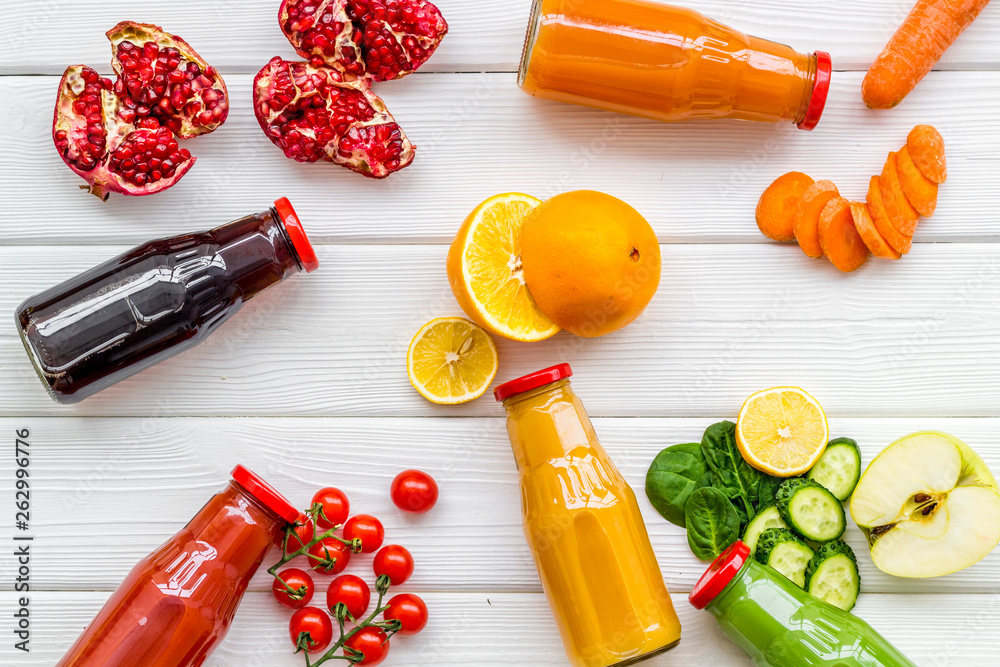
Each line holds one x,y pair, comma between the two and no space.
156,300
176,604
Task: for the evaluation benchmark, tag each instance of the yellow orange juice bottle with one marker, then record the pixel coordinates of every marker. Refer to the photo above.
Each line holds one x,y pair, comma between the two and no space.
584,528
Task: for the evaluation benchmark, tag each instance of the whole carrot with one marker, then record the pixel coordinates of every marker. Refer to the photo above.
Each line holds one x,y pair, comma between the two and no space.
931,27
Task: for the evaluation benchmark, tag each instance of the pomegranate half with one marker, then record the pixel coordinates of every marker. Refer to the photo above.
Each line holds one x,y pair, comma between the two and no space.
122,136
312,114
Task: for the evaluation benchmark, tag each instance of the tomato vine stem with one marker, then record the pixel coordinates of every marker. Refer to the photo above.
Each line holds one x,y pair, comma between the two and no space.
382,584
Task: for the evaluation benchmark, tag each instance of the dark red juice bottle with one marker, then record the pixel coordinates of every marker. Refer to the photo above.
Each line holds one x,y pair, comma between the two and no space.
156,300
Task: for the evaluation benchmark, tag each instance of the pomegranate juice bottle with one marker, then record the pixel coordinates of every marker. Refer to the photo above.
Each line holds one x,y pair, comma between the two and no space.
156,300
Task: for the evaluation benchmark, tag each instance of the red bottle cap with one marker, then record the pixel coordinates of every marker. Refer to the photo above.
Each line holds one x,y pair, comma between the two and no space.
719,574
532,381
821,88
265,493
296,234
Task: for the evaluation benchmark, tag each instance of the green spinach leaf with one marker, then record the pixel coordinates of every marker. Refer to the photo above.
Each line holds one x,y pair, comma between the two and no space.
768,487
731,474
673,475
712,522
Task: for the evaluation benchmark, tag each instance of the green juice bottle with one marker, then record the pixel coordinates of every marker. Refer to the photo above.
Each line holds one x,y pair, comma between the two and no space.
780,625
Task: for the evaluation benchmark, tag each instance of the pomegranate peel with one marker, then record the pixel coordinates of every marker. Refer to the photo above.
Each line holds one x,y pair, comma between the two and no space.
121,136
313,114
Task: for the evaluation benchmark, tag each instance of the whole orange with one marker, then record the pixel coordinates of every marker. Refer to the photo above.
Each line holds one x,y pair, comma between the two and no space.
591,262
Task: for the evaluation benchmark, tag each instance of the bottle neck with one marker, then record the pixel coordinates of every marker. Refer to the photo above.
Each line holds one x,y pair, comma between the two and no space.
777,82
239,529
256,252
547,423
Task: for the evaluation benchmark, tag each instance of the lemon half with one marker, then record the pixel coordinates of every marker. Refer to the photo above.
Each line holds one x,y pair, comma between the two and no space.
782,431
451,360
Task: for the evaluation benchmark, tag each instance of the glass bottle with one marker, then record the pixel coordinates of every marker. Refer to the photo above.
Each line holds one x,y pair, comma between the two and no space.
176,604
156,300
584,528
780,625
669,63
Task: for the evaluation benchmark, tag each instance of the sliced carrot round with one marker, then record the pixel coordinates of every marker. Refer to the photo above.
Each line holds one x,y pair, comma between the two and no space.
876,208
869,234
901,213
807,216
840,239
921,191
778,203
926,146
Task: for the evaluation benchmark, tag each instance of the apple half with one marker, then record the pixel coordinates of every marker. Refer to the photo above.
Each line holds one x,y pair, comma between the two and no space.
928,505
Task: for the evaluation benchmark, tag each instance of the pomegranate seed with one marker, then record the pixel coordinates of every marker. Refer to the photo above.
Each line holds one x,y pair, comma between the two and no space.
177,98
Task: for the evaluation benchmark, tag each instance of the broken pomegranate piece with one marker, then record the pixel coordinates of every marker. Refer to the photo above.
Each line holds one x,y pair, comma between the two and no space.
382,39
322,32
122,136
398,36
325,109
312,114
160,75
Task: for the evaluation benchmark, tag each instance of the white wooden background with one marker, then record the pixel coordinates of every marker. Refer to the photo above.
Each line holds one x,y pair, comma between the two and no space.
308,385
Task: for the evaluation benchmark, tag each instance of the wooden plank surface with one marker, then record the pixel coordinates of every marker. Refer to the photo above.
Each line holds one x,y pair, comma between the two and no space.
517,628
308,386
147,476
240,36
477,135
914,337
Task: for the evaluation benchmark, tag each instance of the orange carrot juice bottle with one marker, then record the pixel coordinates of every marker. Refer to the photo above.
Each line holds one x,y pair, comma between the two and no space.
668,63
584,528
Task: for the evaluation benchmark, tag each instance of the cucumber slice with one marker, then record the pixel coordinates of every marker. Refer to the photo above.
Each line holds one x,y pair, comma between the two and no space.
810,510
832,575
769,517
785,552
839,468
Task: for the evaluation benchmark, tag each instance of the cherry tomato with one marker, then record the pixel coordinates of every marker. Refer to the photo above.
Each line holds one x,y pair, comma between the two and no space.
370,642
316,623
329,548
395,562
368,529
302,534
409,610
298,581
352,591
414,491
336,507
